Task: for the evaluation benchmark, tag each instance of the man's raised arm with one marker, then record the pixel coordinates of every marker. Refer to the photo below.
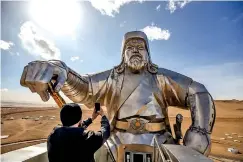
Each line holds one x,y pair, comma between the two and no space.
97,139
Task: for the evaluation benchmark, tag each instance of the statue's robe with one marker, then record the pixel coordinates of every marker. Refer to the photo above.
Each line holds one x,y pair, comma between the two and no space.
127,94
122,92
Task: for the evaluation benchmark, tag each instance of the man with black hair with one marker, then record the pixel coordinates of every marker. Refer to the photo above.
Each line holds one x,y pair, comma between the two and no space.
70,143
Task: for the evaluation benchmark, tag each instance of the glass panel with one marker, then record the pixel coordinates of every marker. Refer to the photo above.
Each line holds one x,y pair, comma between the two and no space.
137,157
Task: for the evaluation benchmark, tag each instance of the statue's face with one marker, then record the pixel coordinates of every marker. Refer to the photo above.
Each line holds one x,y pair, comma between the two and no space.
136,55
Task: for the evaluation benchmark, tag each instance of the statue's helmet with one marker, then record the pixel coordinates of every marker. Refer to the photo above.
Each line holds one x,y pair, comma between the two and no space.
152,68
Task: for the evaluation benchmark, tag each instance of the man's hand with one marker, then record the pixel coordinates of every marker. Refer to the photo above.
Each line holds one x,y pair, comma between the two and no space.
37,74
101,112
95,114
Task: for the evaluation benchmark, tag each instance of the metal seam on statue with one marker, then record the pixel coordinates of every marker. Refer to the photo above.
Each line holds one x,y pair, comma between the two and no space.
100,92
72,86
192,108
188,91
82,78
214,112
112,74
75,93
207,145
199,93
71,89
199,129
77,75
42,76
91,87
58,66
39,72
70,78
76,87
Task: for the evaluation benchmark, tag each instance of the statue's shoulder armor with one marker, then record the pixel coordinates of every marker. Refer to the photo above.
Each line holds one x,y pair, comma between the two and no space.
100,76
180,79
97,80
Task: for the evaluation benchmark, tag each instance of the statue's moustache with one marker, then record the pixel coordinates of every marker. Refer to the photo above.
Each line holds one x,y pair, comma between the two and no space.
136,55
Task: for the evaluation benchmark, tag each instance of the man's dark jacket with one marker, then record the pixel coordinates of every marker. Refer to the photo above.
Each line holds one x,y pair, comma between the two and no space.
70,144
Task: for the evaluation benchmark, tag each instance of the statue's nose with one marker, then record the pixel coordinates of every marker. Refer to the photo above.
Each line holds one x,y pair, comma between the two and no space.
135,49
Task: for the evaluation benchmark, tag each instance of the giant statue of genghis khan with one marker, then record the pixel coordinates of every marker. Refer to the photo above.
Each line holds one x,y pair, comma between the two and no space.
136,93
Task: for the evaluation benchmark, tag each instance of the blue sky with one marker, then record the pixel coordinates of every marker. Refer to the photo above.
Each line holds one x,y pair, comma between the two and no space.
202,40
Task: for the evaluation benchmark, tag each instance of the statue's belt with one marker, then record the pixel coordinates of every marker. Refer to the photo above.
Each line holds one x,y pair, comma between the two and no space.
139,125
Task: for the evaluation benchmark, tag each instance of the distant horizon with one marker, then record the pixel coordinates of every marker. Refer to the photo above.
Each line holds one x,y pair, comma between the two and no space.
47,103
27,102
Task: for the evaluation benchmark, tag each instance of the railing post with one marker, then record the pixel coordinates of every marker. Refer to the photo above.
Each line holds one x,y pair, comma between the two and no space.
159,148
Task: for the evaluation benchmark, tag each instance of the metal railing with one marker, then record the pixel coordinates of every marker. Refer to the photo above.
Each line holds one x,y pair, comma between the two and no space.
160,153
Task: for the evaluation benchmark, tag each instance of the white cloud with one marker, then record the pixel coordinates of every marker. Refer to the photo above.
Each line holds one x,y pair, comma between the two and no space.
156,33
5,45
75,58
174,5
36,44
110,7
4,90
223,81
123,24
158,8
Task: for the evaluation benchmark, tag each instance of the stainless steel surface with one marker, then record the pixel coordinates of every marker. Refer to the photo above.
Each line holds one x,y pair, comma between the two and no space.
147,92
142,105
77,88
177,128
202,106
176,153
203,118
158,147
185,154
38,74
179,118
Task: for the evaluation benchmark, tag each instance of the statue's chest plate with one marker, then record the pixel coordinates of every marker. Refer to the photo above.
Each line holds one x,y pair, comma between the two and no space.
140,100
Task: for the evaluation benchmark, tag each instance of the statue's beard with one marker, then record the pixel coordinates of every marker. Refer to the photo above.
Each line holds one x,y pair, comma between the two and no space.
136,63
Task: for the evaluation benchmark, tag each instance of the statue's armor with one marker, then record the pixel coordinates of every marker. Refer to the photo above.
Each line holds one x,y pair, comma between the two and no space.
146,95
174,90
144,105
137,102
146,85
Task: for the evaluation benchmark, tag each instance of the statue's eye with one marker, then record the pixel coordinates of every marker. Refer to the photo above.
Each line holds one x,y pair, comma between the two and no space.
129,47
141,48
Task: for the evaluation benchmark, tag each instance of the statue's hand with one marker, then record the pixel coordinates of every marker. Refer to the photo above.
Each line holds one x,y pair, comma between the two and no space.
37,74
198,139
